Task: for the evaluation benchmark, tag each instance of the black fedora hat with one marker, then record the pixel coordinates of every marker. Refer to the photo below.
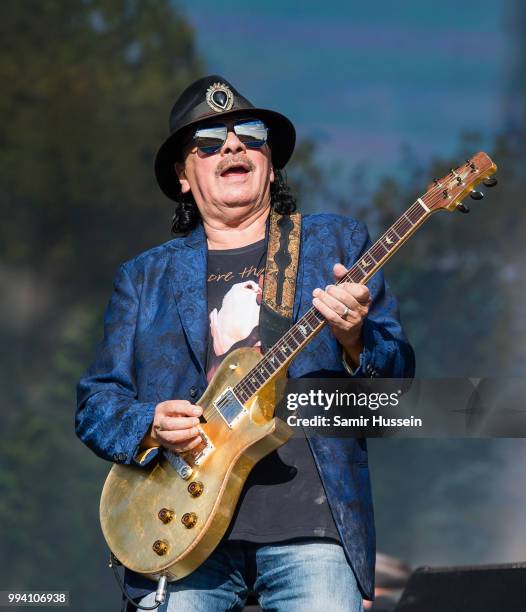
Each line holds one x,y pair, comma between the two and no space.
213,96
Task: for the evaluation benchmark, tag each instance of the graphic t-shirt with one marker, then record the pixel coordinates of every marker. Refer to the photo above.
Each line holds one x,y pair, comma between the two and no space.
283,497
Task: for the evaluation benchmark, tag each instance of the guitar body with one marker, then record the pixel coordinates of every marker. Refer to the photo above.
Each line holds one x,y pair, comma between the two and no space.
134,497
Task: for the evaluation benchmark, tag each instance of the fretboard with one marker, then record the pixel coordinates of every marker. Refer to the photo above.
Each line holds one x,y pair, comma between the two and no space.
303,331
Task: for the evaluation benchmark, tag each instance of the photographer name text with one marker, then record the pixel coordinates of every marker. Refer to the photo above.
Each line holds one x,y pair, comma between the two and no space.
327,401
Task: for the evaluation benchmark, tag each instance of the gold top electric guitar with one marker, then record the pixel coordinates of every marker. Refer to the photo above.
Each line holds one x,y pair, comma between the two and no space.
167,519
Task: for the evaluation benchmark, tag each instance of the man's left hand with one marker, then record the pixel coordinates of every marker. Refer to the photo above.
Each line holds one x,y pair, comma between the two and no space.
344,306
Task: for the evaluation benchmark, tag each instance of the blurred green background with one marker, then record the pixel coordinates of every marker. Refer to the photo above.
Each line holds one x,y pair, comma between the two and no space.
384,100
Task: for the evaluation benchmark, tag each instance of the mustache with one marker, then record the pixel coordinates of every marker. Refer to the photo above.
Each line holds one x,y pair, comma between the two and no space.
224,164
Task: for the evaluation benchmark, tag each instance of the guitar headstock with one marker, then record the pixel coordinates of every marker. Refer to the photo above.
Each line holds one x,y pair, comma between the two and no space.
447,193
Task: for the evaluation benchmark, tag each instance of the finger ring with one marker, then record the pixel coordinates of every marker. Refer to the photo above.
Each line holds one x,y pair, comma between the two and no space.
345,312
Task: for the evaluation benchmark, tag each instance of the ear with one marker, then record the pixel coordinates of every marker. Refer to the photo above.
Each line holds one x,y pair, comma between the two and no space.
181,175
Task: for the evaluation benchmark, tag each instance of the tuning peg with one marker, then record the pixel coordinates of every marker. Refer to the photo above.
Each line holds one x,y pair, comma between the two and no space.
491,181
463,208
476,195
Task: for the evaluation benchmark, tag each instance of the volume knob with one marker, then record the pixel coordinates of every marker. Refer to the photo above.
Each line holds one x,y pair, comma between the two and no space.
195,488
160,547
166,515
189,519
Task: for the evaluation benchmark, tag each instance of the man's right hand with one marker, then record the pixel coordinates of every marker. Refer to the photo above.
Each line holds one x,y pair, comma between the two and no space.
174,426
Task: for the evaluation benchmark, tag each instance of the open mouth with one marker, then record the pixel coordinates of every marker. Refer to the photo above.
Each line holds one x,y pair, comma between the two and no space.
235,170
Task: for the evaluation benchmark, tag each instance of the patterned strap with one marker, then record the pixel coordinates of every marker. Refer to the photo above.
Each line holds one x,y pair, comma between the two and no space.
281,270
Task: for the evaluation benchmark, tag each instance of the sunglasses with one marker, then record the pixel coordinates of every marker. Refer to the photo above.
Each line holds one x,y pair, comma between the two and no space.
251,132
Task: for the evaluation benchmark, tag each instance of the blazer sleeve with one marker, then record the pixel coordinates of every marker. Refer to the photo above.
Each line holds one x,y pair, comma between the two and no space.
109,418
386,352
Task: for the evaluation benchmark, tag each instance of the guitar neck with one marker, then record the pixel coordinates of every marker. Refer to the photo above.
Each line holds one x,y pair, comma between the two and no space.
301,333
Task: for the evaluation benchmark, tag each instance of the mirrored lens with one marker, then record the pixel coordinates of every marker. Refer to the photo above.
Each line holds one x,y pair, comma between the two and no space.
253,132
211,138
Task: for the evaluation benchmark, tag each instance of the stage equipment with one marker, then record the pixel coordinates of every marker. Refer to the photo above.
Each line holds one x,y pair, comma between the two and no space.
477,588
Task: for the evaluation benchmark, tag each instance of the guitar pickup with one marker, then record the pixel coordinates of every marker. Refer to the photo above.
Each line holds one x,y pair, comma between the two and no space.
229,407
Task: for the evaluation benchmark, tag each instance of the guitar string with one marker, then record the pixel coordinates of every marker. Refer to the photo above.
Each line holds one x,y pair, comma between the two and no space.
430,198
372,252
416,206
318,322
312,314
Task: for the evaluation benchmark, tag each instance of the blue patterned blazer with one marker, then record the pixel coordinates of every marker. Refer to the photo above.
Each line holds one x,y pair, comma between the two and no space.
154,349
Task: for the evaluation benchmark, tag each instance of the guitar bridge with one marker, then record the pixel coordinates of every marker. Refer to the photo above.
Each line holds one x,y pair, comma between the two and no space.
183,469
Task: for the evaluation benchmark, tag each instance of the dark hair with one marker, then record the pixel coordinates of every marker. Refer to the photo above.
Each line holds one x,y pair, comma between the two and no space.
186,214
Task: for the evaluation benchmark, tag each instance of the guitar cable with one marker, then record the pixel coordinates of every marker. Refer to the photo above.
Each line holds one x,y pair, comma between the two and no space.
160,594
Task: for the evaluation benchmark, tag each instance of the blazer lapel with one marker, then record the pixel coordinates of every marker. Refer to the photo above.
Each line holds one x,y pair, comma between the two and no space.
299,276
188,278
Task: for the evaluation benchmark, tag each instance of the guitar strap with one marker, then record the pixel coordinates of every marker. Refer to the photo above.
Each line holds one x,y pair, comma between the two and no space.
281,270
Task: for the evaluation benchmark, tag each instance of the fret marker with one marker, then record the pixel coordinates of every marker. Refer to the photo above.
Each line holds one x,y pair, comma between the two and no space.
388,240
302,329
364,263
421,202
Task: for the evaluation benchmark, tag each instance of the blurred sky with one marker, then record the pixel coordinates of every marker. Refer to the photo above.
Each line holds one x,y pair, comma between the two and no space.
364,78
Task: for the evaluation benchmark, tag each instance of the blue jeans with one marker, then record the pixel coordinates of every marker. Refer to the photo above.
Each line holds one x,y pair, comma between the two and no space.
307,574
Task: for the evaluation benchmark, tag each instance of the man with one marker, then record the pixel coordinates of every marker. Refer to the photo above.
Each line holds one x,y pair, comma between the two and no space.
303,534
